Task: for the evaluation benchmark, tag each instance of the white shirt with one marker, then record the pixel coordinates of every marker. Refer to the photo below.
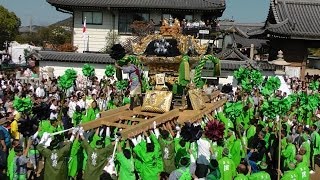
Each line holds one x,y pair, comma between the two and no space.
203,151
72,108
81,103
40,92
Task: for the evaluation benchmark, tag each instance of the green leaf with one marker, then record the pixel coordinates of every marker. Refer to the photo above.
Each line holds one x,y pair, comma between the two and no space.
314,85
88,70
110,71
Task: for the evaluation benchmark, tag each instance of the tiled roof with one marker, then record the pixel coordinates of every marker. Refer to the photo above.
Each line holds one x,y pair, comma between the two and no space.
295,19
230,65
76,57
206,5
232,53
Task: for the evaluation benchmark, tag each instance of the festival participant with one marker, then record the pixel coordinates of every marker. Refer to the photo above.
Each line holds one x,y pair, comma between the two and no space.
290,174
315,145
20,162
126,163
204,156
135,81
92,113
148,154
262,174
96,157
10,162
302,169
167,148
214,173
55,166
226,166
242,171
289,152
183,172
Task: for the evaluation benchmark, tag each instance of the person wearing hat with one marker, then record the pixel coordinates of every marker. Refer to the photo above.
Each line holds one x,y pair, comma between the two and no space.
20,162
183,172
262,174
302,168
226,166
97,157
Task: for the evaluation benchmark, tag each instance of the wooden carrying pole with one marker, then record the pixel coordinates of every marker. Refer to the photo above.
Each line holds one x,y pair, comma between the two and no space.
279,148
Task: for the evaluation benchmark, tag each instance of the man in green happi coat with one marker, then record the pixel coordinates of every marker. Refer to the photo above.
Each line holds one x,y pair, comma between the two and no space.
226,166
261,175
242,171
148,153
97,157
126,162
167,148
302,169
291,174
55,166
289,152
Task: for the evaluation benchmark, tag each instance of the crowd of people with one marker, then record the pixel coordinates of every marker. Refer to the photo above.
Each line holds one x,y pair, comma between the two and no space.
55,146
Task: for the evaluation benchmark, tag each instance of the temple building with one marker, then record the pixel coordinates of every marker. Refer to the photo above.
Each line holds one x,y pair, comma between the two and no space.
292,26
110,21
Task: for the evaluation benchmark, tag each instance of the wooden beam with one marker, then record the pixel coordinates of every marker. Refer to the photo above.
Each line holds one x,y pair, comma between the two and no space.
132,119
148,124
115,124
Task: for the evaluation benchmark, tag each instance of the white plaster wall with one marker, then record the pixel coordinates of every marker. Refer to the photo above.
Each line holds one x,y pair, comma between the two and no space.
60,67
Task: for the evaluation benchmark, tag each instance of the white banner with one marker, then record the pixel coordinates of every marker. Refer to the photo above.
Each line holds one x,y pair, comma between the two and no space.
292,71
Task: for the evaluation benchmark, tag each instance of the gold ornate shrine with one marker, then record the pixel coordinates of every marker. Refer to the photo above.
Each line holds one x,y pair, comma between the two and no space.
170,30
142,121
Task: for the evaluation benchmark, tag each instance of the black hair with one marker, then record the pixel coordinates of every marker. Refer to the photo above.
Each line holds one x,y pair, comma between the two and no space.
182,143
100,143
214,163
150,147
164,134
164,175
127,153
54,144
105,176
184,161
18,149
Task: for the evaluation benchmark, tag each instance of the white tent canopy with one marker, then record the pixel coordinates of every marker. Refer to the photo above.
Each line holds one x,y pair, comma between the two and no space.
16,50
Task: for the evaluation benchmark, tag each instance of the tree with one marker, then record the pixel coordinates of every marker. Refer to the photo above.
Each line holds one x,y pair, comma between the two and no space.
9,24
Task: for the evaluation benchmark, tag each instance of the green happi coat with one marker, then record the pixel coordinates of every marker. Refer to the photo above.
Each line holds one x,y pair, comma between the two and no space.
73,161
46,126
77,118
303,171
149,168
290,175
306,157
55,166
241,177
91,115
251,131
236,152
289,154
168,155
126,167
227,168
97,160
10,163
262,175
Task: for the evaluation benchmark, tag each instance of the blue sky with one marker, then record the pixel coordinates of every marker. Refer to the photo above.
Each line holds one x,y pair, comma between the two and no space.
43,13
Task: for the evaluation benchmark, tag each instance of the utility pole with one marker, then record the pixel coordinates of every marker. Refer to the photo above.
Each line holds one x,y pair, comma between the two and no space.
30,28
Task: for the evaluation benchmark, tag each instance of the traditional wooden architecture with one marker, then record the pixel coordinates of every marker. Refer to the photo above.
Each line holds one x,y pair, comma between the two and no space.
108,20
292,26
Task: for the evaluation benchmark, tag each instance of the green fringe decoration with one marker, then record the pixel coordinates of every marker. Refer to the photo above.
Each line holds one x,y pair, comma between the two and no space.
88,70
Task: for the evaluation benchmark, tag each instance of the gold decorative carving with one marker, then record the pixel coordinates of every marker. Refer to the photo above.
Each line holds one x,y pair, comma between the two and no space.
196,99
157,101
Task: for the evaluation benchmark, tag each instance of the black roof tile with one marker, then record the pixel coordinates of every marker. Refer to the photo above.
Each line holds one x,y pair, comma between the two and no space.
205,5
295,19
76,57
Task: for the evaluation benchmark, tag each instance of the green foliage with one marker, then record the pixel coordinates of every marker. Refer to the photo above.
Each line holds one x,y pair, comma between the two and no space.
248,78
65,82
22,105
110,70
9,26
54,35
233,110
71,73
273,83
276,107
122,85
314,85
88,70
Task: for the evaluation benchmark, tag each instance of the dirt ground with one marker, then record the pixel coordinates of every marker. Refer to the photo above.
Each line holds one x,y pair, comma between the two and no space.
316,176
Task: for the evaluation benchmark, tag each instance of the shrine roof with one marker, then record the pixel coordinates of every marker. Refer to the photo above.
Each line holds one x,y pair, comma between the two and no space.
293,19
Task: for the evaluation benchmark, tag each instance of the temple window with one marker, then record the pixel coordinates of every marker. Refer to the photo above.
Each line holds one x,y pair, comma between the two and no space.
93,17
127,18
